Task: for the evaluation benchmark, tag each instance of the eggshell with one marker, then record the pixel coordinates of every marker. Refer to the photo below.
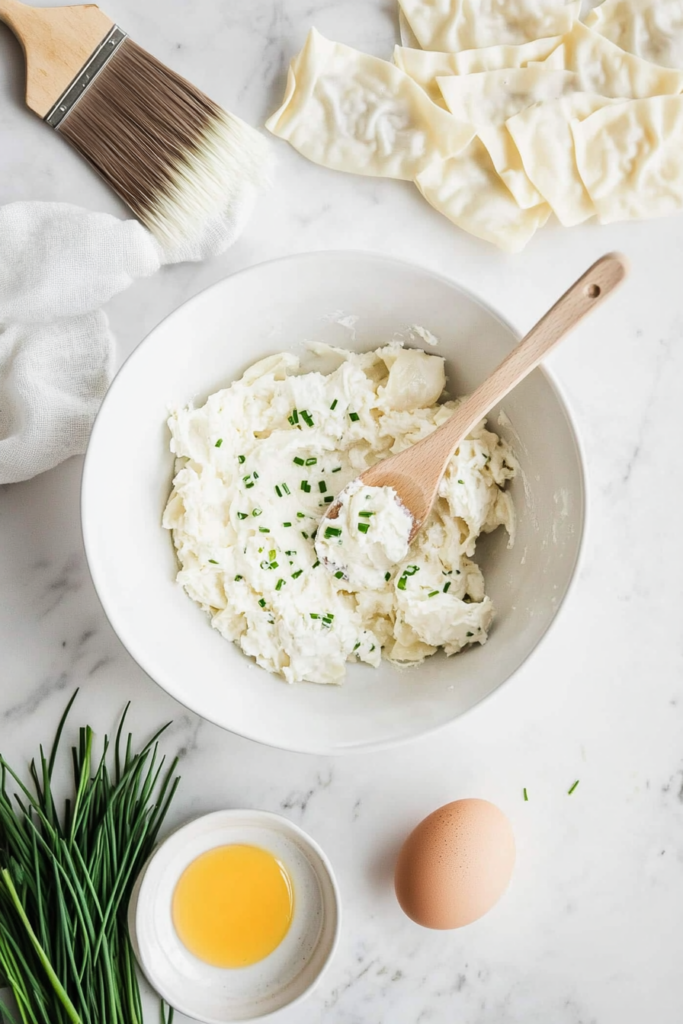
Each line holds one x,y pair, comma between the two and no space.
455,865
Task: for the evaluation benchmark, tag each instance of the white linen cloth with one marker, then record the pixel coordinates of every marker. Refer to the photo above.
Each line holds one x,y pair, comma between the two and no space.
59,264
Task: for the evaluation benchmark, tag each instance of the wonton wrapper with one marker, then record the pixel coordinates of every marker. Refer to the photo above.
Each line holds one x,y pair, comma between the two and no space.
425,66
467,190
491,97
508,163
604,68
652,29
352,112
456,25
630,156
545,142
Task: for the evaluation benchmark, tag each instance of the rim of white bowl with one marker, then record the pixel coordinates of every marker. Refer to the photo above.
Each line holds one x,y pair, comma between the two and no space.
267,819
377,745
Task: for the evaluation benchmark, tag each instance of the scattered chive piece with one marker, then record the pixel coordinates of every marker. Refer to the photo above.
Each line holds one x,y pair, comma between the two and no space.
301,515
250,484
354,417
241,459
263,529
461,481
278,491
328,499
311,462
290,552
314,615
410,570
316,564
304,535
387,576
262,603
432,593
294,418
280,584
570,791
322,486
525,793
255,475
272,554
469,634
295,575
286,524
264,564
298,461
332,531
366,515
305,486
334,404
339,575
329,615
402,583
363,527
307,418
213,561
237,579
257,512
219,442
357,646
273,565
242,515
372,649
314,533
337,470
446,586
449,573
286,489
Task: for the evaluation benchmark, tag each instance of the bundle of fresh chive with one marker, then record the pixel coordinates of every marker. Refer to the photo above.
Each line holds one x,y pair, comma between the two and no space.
65,881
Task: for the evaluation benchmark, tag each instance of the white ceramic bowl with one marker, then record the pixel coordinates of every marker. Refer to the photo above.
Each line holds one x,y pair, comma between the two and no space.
205,345
212,994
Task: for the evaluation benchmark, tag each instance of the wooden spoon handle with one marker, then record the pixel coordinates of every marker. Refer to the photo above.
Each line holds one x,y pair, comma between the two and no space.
582,298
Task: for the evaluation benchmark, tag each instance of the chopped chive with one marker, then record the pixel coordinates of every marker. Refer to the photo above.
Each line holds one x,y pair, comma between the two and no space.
290,552
255,475
294,418
311,462
314,615
332,531
372,649
316,564
272,554
356,646
241,459
571,790
354,417
257,511
322,486
526,797
286,524
298,461
278,491
295,575
339,575
286,489
273,565
337,470
307,418
237,579
410,570
433,593
280,584
249,485
262,603
304,535
328,499
263,529
242,515
264,564
301,515
446,586
213,561
314,533
334,404
469,634
449,573
366,515
329,616
219,442
402,583
387,576
461,481
305,486
363,527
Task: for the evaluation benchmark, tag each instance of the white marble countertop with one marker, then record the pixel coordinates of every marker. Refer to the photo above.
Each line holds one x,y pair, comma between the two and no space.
591,930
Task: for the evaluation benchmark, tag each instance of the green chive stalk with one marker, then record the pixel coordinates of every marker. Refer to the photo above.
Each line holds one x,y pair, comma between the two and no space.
65,881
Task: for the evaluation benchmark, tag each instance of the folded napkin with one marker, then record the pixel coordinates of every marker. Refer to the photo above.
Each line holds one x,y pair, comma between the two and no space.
58,265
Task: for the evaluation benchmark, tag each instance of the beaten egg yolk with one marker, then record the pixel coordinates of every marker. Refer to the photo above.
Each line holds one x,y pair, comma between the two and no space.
233,905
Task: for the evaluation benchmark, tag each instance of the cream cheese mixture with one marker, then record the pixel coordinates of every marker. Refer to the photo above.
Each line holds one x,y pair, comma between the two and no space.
257,466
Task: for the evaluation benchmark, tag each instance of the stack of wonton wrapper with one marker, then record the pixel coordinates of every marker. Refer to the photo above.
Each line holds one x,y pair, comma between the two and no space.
508,111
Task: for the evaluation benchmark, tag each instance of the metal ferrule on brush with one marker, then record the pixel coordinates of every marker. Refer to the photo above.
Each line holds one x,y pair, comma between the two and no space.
102,55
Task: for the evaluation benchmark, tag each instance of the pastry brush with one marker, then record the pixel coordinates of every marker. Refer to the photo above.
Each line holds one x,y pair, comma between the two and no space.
182,164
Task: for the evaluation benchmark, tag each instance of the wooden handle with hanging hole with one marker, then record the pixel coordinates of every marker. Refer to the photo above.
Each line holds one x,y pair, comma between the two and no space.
58,42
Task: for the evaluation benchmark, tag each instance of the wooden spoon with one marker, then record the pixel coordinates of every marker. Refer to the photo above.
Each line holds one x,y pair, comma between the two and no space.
416,473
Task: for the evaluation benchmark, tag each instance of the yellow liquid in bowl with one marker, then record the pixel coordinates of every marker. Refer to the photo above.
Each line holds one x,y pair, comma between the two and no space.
233,905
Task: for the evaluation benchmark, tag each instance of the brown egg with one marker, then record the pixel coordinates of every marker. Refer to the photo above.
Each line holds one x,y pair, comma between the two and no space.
455,865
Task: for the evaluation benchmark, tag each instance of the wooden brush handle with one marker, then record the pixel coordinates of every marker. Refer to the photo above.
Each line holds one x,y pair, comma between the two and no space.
58,43
581,299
